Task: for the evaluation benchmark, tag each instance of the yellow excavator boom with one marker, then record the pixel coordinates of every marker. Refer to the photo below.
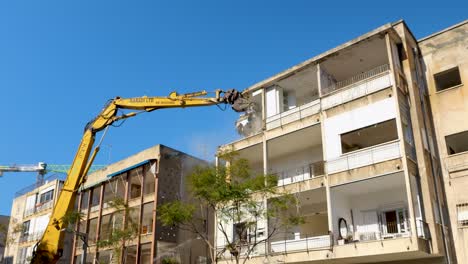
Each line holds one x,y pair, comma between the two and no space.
50,248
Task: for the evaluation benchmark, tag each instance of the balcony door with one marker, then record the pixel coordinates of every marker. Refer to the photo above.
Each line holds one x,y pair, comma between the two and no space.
395,221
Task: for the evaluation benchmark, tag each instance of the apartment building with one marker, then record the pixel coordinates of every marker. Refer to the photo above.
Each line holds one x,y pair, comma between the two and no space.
350,134
4,222
30,213
143,181
445,64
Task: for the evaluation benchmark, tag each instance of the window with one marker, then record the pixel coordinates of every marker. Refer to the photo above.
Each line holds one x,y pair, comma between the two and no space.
149,179
114,189
369,136
447,79
242,231
82,229
105,257
457,143
92,230
145,255
84,200
25,229
462,215
147,221
395,221
47,196
135,181
95,198
109,223
130,254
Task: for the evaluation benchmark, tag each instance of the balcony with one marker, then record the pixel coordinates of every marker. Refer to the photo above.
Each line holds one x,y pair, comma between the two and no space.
44,206
357,86
365,157
300,174
373,210
297,244
313,231
292,115
40,207
31,237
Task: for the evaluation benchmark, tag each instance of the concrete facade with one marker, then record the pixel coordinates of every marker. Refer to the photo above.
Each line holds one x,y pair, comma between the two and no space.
441,52
351,133
143,181
4,222
30,213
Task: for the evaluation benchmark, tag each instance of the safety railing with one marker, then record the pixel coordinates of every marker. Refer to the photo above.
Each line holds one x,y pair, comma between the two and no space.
29,211
31,237
223,252
356,78
295,242
356,87
378,231
299,174
30,188
292,115
38,208
364,157
44,206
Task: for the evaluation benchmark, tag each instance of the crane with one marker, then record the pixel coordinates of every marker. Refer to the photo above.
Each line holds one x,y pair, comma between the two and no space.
50,247
42,169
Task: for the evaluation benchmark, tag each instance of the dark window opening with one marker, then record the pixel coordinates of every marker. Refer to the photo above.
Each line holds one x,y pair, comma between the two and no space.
240,232
457,143
369,136
447,79
25,229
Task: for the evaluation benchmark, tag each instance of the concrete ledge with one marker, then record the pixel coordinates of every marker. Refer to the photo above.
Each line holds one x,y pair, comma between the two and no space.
366,172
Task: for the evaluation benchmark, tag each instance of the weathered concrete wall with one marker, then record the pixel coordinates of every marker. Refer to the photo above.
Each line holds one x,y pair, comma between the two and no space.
440,52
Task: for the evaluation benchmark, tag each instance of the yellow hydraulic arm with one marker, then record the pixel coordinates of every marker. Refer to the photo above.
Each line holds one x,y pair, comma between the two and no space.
49,249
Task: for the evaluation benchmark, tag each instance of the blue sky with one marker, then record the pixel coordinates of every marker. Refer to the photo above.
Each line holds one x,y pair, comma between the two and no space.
61,60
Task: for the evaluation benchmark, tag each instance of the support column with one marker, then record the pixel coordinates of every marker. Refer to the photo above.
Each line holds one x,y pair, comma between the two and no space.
401,137
155,206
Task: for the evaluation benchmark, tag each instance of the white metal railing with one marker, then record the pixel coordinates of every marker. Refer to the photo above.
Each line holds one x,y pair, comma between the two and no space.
292,115
44,206
381,232
301,173
223,252
29,211
31,237
301,244
376,81
364,157
356,78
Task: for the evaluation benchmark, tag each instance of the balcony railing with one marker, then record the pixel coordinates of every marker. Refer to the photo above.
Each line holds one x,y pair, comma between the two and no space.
300,173
38,208
31,237
44,206
364,157
292,115
297,244
358,86
223,253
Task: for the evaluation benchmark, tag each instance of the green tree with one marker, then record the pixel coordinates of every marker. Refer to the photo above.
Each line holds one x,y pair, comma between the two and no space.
122,232
238,197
